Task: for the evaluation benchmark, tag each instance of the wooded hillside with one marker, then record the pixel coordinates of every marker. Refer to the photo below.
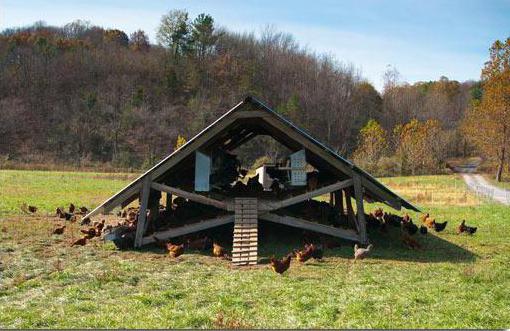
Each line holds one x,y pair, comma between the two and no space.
81,93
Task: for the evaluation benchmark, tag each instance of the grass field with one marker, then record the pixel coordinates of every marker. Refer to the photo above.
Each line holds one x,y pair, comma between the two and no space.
456,281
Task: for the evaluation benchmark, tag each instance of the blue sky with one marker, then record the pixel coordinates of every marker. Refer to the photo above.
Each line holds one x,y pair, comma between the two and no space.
422,39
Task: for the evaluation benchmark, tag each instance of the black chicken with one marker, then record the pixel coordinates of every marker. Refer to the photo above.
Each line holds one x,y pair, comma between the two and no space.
438,227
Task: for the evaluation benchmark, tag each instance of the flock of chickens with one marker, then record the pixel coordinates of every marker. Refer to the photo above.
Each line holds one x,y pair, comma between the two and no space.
378,219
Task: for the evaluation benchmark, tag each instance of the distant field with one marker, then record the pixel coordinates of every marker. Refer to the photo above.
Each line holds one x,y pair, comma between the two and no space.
454,282
48,190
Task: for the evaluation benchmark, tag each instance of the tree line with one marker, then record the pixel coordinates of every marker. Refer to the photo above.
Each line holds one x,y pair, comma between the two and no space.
80,93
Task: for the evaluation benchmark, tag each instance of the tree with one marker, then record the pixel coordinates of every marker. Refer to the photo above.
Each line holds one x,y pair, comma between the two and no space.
173,31
487,124
372,145
139,41
116,37
420,146
203,37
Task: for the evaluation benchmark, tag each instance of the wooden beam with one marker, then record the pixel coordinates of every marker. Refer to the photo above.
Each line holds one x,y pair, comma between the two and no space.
188,195
190,228
358,192
109,204
269,206
168,205
386,197
339,202
350,212
142,215
307,225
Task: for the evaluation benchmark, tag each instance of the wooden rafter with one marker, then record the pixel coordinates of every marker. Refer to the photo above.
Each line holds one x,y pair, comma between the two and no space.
307,225
189,195
269,206
186,229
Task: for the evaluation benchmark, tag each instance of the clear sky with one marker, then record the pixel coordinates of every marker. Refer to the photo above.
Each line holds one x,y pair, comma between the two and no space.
423,39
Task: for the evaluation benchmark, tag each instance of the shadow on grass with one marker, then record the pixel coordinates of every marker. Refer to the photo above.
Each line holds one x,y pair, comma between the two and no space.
279,240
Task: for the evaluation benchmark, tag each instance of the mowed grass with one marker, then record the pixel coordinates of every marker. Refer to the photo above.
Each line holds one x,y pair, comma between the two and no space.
456,281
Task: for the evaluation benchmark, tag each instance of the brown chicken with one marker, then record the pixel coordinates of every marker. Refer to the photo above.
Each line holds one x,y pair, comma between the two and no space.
79,242
59,230
72,208
428,221
83,210
378,213
463,228
89,233
175,250
99,227
219,251
32,209
304,255
280,266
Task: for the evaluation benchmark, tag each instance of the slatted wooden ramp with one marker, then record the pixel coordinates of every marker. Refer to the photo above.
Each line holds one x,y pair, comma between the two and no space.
244,250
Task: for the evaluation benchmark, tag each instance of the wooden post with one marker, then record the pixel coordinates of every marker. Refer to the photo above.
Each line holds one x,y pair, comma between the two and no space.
350,212
168,205
358,192
332,201
142,215
339,202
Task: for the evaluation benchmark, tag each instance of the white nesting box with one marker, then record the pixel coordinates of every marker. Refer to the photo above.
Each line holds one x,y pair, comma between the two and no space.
264,178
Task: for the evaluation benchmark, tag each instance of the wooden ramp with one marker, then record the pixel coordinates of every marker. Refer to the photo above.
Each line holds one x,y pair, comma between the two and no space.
244,250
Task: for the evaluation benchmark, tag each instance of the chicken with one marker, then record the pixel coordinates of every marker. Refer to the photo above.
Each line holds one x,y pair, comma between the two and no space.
423,229
59,230
85,221
304,255
409,241
99,227
317,251
406,218
28,209
409,227
89,233
361,253
59,213
427,220
175,250
424,217
438,227
79,242
392,219
72,208
463,228
84,210
280,266
378,213
219,251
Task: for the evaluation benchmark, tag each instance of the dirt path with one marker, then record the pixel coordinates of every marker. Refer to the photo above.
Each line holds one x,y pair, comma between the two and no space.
481,187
